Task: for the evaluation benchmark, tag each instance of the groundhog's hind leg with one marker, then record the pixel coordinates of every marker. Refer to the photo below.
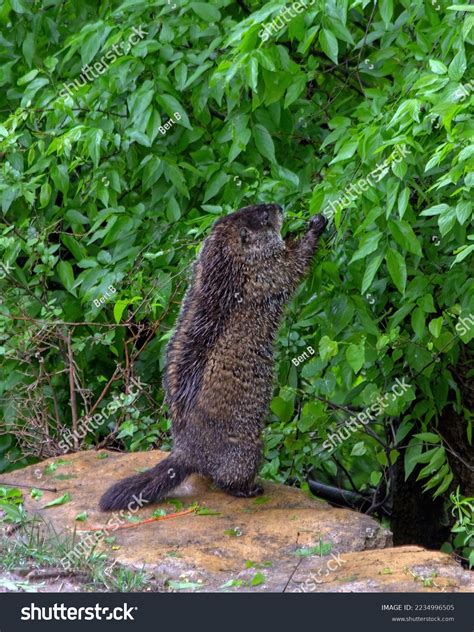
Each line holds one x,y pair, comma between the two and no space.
237,468
246,491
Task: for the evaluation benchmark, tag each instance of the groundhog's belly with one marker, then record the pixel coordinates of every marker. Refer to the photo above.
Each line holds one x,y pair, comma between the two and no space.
237,379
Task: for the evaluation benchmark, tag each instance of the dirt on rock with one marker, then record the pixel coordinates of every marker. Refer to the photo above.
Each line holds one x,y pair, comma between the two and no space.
268,544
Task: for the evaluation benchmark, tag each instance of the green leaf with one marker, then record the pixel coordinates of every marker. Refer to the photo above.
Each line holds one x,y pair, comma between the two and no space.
282,408
81,517
65,498
232,583
436,210
458,66
91,44
119,308
438,67
427,304
429,437
405,237
93,145
45,194
371,270
257,579
139,137
461,7
397,269
444,485
464,252
412,454
403,201
437,459
235,532
251,73
51,467
206,11
465,154
355,356
75,217
446,221
435,326
264,142
403,430
386,10
203,511
295,90
60,177
74,247
215,185
329,44
183,585
28,47
173,210
152,172
171,106
321,549
66,275
418,321
368,244
346,151
313,415
28,77
359,449
327,348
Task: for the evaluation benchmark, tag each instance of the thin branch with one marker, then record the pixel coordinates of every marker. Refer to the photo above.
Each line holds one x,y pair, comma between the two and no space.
43,489
72,390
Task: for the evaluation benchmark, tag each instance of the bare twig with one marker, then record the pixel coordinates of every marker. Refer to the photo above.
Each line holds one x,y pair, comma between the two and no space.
43,489
72,389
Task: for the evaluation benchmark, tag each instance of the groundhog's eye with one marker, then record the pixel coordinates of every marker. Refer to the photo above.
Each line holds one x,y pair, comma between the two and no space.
265,216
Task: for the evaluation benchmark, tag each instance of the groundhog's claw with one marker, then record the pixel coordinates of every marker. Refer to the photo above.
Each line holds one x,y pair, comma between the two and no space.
318,223
256,490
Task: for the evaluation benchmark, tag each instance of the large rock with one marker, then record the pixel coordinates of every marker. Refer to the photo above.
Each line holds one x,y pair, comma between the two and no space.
266,540
399,569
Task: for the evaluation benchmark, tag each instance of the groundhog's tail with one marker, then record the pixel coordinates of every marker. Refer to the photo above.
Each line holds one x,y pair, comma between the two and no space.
147,487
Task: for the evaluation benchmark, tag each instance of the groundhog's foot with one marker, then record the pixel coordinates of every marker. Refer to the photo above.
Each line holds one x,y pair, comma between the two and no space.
318,223
256,490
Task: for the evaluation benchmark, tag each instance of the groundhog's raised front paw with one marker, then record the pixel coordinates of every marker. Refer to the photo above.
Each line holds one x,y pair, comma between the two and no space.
318,223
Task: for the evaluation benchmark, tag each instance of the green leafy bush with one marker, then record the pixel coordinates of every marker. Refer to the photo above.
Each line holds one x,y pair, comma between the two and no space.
95,196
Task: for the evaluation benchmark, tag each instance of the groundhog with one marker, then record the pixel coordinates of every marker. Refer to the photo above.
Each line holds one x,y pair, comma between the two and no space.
218,378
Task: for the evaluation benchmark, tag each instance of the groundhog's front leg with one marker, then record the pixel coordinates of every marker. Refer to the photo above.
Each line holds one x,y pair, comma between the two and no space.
300,252
305,247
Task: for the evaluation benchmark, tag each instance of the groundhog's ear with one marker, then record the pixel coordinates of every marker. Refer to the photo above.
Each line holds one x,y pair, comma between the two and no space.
244,235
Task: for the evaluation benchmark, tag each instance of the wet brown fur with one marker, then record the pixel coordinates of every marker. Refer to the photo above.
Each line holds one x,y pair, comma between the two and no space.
218,379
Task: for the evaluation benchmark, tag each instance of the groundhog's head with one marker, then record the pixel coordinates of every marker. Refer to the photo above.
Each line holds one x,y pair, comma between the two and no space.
252,231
